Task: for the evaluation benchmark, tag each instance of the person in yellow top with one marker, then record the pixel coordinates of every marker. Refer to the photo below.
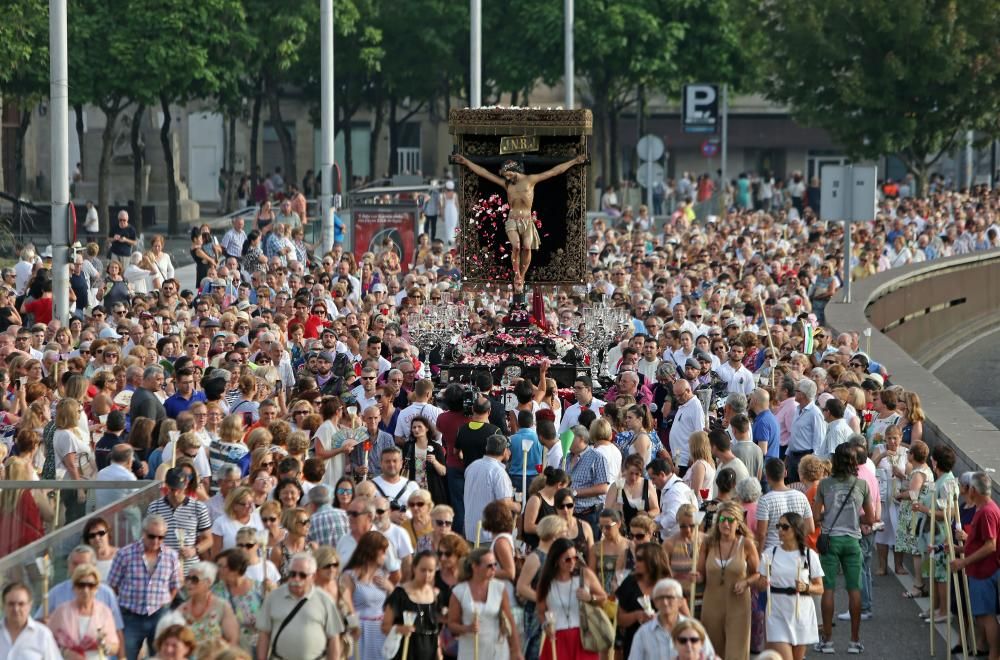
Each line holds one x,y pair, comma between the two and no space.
865,267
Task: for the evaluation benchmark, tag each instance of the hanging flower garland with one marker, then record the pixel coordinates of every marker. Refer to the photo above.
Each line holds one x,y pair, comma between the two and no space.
491,250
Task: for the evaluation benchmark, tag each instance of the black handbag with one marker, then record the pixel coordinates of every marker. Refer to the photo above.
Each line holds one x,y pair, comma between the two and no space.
823,541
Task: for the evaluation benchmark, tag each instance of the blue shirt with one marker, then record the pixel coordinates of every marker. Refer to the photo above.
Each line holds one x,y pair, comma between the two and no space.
177,404
765,427
808,429
536,455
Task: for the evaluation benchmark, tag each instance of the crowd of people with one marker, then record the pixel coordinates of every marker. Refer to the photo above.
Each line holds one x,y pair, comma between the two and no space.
730,461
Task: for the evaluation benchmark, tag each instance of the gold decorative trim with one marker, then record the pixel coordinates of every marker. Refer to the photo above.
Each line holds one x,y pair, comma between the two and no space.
517,121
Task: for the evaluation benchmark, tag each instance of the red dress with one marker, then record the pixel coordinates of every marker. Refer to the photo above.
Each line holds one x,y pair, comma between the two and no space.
21,526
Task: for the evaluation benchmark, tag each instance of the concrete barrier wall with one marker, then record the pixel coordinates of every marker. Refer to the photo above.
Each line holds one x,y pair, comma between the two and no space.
916,313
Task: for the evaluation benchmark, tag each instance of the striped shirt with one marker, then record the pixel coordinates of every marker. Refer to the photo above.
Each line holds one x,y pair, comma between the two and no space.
140,589
486,480
328,526
586,469
776,503
189,519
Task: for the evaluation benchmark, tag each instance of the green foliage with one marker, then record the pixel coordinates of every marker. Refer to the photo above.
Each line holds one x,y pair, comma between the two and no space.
24,40
887,77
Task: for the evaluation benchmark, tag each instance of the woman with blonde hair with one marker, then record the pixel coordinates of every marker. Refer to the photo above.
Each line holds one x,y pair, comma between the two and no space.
911,417
84,627
549,528
689,638
259,569
726,565
73,455
420,526
295,522
208,616
680,548
700,476
634,494
239,512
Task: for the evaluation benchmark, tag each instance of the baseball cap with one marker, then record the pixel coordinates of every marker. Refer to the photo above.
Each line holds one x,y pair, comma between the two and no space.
176,478
109,333
692,363
325,355
378,287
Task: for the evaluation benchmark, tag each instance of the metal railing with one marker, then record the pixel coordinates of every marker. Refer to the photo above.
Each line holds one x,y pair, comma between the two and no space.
42,563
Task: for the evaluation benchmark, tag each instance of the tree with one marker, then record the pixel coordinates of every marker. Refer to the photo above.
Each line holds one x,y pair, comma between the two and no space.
26,81
883,78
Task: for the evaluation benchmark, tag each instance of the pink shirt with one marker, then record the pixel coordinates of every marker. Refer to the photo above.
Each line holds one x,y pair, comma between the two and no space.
786,417
867,472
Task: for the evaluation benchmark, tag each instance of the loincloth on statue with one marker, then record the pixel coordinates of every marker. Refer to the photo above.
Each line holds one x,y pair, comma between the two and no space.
525,230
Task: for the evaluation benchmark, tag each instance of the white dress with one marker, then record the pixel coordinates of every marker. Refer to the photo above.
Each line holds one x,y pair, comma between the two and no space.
786,568
450,199
491,643
888,488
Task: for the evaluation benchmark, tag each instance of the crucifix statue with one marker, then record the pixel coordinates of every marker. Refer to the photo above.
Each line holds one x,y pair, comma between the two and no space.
520,187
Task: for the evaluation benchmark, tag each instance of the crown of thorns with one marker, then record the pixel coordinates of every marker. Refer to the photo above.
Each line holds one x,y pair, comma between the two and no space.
512,166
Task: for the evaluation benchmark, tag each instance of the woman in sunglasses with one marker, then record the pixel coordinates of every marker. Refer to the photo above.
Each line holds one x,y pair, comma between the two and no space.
690,639
208,616
727,565
792,574
563,584
97,534
549,529
451,550
248,540
579,533
479,612
84,625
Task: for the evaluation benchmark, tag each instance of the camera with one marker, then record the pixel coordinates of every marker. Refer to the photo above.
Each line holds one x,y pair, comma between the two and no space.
470,394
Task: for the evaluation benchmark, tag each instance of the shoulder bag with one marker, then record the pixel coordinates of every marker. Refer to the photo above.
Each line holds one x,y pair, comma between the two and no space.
823,541
291,615
597,633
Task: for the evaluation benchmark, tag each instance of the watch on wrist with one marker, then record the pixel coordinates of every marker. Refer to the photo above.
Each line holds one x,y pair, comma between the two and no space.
574,493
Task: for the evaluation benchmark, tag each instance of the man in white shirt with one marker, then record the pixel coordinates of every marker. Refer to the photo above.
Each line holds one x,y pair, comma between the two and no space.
361,518
546,431
737,377
398,538
673,494
649,361
486,480
583,389
21,636
120,469
391,485
776,502
365,392
24,268
838,431
688,419
421,406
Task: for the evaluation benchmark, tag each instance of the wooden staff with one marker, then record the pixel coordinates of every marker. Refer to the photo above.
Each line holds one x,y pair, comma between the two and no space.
767,329
479,531
408,619
55,519
475,619
769,590
694,569
550,620
953,581
932,589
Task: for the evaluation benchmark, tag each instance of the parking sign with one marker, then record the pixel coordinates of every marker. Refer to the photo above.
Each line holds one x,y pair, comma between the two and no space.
700,108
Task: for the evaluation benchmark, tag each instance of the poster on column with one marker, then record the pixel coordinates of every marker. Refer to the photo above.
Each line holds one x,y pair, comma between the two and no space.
373,226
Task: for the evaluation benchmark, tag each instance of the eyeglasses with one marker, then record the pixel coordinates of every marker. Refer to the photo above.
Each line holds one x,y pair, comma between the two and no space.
154,537
269,519
726,519
381,512
304,522
268,464
300,412
246,546
85,585
443,523
638,536
684,641
417,505
94,535
784,526
344,491
566,505
298,574
855,365
329,566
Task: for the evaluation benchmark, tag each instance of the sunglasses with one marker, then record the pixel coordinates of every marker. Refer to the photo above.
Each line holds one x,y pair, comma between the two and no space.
269,519
194,579
726,519
566,505
298,574
345,491
688,640
93,535
358,514
638,536
417,505
304,522
154,537
85,585
784,526
568,560
381,512
246,546
687,526
443,523
328,566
